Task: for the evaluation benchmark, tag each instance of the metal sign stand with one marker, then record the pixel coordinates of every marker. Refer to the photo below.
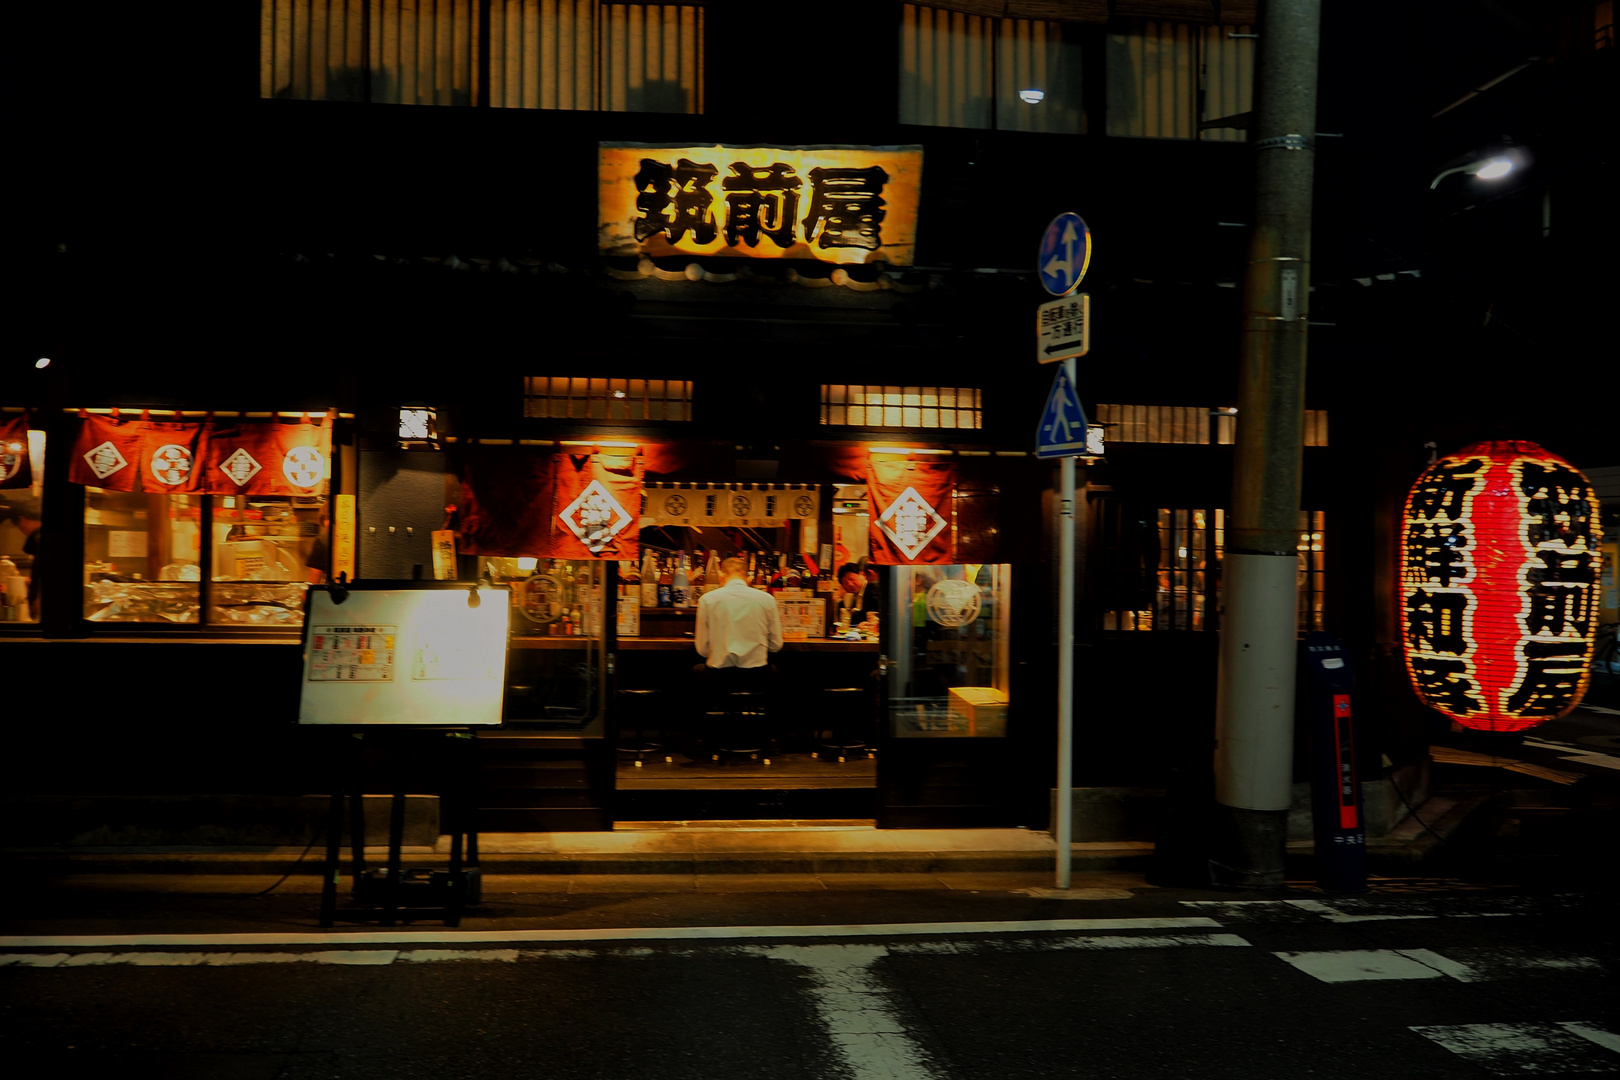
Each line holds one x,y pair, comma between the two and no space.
396,894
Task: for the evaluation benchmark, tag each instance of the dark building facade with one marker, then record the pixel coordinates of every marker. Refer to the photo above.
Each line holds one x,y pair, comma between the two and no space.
280,208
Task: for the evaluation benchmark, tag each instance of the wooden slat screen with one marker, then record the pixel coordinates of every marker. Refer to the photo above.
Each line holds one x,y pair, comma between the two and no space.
964,70
542,54
1164,77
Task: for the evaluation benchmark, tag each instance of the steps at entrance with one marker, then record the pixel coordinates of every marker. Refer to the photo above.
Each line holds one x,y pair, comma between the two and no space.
539,782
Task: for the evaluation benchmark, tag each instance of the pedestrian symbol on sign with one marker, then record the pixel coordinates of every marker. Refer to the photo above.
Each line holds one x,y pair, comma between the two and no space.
1063,423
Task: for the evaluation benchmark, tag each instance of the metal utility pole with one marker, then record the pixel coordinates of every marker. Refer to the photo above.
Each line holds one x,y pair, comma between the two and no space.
1254,716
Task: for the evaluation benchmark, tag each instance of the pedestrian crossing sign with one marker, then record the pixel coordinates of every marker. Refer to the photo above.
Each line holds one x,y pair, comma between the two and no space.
1063,423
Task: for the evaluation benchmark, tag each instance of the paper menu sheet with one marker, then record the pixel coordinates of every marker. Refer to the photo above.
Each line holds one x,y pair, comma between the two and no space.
802,619
352,653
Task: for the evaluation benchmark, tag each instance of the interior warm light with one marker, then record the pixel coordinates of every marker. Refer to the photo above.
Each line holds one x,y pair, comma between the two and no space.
43,362
1032,97
1494,168
903,450
1499,597
527,562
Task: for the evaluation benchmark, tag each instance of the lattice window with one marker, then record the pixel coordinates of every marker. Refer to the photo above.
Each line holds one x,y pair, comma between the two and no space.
607,400
1190,424
901,406
1186,581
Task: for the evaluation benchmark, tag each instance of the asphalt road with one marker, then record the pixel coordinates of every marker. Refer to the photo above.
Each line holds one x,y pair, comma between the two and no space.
988,984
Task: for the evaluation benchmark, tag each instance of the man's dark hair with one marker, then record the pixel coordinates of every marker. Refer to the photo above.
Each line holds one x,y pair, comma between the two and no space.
850,568
18,506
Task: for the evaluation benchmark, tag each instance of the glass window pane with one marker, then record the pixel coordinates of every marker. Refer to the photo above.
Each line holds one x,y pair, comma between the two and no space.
141,557
266,550
21,517
949,678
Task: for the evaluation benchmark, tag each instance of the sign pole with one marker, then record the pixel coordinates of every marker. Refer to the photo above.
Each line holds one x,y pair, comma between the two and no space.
1065,747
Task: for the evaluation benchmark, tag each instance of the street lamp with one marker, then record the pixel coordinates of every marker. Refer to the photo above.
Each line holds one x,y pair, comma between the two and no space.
1491,168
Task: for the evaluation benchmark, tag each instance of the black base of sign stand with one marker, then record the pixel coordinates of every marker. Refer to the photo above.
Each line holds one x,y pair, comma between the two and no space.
391,893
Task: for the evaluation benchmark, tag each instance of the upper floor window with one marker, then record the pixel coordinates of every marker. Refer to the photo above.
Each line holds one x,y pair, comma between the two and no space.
902,406
961,70
1188,424
629,400
1171,80
526,54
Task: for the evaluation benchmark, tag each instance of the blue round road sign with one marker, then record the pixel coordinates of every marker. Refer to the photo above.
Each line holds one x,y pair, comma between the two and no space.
1065,254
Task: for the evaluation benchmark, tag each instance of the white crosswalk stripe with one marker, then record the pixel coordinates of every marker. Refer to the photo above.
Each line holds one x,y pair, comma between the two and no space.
1519,1049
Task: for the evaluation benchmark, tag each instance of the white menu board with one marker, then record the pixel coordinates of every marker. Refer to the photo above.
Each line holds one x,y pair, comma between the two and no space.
403,657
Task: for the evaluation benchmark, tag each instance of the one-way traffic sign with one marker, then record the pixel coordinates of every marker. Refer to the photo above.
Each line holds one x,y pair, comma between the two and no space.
1063,424
1063,328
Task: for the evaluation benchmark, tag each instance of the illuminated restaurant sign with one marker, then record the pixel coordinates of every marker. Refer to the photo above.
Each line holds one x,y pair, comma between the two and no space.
840,204
1499,570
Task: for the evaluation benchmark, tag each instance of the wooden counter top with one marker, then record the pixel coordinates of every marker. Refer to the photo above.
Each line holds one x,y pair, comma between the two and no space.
677,644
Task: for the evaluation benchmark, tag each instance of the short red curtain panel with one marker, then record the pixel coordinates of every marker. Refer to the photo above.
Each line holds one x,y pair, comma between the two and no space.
208,458
551,505
1499,585
911,511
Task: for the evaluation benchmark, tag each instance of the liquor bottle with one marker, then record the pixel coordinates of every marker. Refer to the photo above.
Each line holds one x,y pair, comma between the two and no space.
711,572
774,584
576,622
753,571
681,585
649,579
795,576
666,583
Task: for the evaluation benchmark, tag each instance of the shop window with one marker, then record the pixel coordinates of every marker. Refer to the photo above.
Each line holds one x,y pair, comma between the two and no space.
21,519
901,406
556,665
520,54
609,400
1179,578
947,634
145,559
1170,80
1190,424
972,71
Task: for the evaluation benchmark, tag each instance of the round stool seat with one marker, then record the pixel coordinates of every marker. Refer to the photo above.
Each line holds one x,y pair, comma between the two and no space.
844,706
737,708
637,712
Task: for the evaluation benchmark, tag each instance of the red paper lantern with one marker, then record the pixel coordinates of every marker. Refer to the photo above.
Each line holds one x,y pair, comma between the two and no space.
1499,571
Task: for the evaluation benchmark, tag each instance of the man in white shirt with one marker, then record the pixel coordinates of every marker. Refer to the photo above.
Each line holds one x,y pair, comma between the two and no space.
738,627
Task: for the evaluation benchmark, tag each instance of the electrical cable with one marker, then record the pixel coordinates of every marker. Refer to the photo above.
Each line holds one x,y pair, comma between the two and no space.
1410,810
319,829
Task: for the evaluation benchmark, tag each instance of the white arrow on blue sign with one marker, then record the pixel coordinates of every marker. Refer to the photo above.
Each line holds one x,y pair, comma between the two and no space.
1065,254
1063,425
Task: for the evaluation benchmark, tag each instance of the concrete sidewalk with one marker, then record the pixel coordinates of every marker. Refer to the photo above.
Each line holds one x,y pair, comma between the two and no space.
740,848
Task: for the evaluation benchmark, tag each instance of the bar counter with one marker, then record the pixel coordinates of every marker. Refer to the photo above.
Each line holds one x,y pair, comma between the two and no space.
676,644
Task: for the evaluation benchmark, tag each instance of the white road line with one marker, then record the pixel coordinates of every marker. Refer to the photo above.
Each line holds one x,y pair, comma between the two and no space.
1513,1049
1602,1036
856,1008
653,933
384,957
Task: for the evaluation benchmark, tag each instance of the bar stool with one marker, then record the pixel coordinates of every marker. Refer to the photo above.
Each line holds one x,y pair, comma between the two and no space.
846,719
636,714
740,719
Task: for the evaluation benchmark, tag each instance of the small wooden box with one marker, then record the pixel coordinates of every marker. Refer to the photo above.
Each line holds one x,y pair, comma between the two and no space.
982,708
